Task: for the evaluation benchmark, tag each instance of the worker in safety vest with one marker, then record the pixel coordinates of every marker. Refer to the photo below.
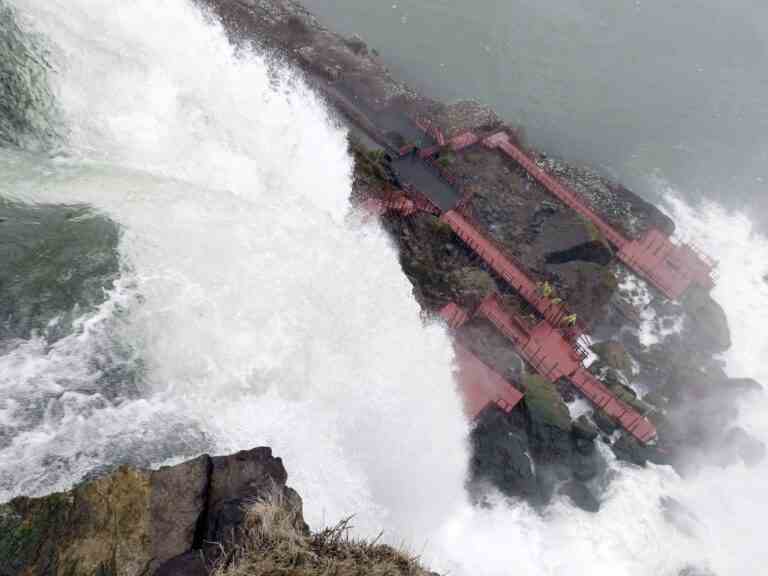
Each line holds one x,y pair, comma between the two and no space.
570,320
546,289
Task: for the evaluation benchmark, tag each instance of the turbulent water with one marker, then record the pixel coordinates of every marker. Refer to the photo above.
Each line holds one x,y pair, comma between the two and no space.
183,275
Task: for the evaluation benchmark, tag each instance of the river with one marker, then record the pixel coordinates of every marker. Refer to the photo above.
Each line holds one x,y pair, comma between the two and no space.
674,90
183,275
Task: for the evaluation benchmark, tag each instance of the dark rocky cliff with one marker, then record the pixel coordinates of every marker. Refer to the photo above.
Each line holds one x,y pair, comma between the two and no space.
172,522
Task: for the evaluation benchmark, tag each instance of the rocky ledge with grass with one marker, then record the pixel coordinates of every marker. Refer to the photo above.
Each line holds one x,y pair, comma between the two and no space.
224,515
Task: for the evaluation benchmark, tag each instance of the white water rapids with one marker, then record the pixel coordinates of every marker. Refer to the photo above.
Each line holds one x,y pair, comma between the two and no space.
263,317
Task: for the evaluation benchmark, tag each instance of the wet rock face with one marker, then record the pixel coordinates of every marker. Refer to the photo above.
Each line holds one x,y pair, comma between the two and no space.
99,527
613,354
534,453
593,251
580,496
139,522
236,480
621,207
550,421
178,497
501,454
711,326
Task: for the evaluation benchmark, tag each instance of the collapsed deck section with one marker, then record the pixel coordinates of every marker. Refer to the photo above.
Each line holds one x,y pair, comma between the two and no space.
480,384
552,356
670,267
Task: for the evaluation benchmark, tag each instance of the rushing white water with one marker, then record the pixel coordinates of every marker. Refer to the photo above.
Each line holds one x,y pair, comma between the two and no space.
263,319
261,316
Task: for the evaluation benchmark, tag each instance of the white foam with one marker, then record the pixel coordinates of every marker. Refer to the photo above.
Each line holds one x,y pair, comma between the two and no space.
266,320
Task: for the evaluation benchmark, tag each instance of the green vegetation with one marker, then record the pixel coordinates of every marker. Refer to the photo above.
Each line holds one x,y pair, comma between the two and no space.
473,156
442,230
446,159
368,163
25,524
609,280
594,234
276,544
545,403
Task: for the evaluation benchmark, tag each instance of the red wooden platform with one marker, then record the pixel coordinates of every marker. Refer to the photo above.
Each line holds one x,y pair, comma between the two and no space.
552,356
670,267
480,385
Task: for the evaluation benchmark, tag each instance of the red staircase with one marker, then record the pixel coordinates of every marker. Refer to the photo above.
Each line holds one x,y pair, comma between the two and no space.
551,355
505,267
398,202
552,352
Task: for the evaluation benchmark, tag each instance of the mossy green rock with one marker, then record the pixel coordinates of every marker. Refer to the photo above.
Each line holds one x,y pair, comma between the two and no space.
544,403
474,282
614,354
136,522
101,527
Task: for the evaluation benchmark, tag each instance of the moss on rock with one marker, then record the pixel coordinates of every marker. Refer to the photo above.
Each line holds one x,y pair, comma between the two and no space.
614,354
101,527
544,403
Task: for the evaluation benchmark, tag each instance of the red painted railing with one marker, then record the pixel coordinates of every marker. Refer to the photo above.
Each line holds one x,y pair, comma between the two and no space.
501,140
505,267
553,357
670,267
480,385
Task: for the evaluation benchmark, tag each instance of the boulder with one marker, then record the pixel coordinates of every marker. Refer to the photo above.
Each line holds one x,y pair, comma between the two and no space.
103,526
614,355
473,283
585,466
136,522
584,428
605,423
178,495
241,478
501,454
712,332
549,418
580,496
629,449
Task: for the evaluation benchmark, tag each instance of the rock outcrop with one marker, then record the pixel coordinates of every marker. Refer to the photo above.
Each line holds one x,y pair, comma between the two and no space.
711,326
134,522
536,451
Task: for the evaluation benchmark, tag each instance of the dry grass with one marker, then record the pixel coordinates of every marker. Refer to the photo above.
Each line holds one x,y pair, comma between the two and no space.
275,544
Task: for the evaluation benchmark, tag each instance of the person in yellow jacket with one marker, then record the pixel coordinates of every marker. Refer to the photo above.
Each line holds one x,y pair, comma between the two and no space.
570,320
546,289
